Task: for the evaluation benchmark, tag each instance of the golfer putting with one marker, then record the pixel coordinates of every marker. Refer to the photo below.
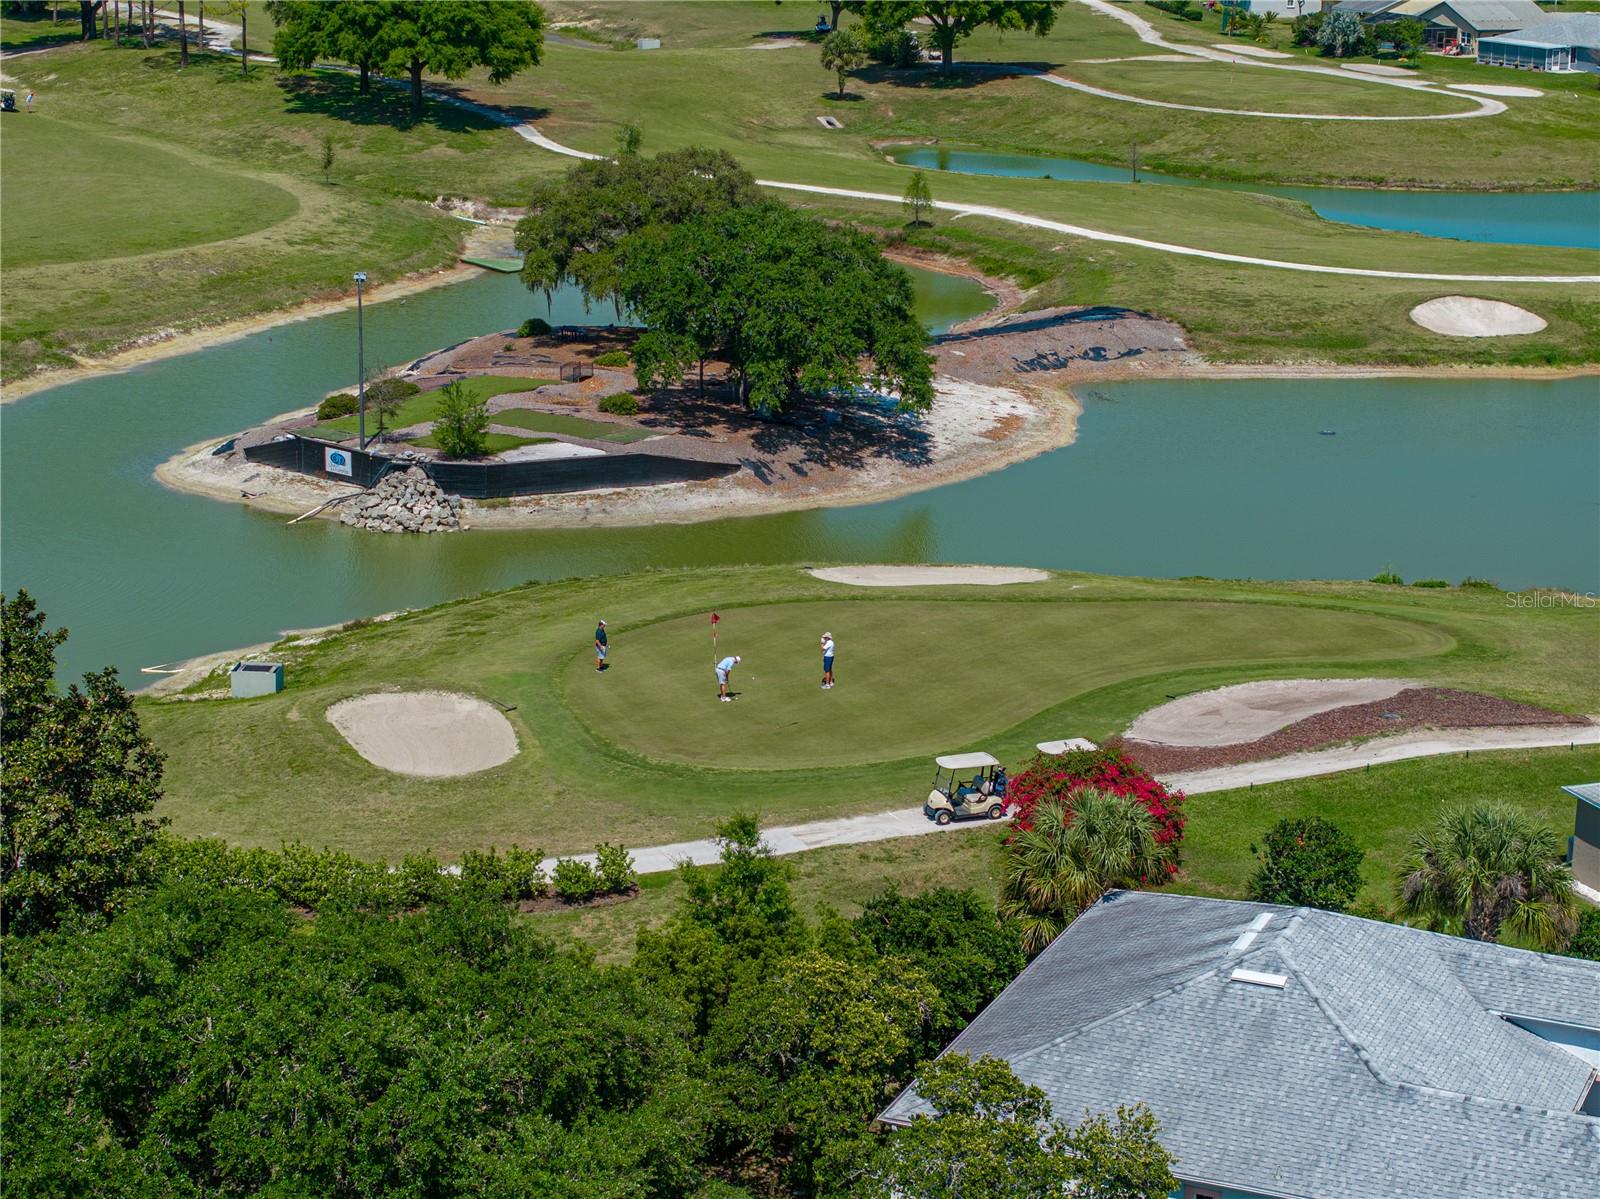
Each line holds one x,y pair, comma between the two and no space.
724,671
827,661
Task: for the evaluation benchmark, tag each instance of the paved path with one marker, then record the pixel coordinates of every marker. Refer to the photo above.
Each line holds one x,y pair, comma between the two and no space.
910,822
1147,33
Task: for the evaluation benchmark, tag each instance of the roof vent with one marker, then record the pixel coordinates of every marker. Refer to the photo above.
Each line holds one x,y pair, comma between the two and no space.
1246,938
1257,979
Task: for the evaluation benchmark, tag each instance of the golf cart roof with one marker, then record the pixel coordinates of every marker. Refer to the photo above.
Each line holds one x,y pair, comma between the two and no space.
1060,747
966,761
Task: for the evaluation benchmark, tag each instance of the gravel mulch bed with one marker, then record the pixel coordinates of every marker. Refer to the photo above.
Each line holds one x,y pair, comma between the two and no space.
1414,708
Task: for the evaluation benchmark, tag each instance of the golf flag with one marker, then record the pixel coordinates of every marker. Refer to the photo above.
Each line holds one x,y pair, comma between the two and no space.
715,618
714,621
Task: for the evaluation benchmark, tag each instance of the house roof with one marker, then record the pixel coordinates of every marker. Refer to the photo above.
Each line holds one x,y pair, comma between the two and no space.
1351,1058
1568,29
1499,15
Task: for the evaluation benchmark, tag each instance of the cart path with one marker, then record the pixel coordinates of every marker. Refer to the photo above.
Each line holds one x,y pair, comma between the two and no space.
910,822
531,134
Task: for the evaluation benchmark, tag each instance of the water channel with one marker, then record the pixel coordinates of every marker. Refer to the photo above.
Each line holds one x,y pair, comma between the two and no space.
1517,218
1230,479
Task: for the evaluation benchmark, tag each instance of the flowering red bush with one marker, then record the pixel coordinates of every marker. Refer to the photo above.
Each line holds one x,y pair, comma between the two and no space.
1109,770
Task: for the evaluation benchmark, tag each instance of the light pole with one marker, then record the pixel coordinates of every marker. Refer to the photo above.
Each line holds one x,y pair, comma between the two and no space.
361,369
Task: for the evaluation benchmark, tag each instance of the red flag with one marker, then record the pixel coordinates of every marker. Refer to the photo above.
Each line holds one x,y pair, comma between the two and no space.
715,618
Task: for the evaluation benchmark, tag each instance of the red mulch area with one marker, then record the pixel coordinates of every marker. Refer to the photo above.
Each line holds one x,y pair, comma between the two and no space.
1417,707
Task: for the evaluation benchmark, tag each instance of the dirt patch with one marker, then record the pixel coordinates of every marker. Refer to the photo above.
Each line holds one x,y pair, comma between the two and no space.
1414,708
1057,346
1468,316
1247,711
432,734
929,576
554,903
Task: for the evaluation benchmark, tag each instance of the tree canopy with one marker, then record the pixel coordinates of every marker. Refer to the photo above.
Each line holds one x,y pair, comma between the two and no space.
1307,861
790,303
442,37
992,1136
953,21
79,780
575,224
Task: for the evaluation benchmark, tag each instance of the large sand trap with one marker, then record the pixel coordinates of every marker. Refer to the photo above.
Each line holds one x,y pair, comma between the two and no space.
435,734
1376,68
1250,51
1494,89
1467,316
930,576
1248,711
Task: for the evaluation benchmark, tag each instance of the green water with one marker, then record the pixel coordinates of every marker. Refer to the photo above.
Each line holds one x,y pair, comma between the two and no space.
1226,479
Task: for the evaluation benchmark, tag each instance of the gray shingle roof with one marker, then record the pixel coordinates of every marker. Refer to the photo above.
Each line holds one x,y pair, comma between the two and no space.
1381,1069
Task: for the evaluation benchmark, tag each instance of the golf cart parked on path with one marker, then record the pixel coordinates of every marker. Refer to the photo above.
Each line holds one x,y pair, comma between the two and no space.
966,787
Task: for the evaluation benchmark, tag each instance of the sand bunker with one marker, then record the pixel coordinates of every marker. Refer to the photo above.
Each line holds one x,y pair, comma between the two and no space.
1375,68
1248,711
1495,89
1466,316
434,734
930,576
1251,51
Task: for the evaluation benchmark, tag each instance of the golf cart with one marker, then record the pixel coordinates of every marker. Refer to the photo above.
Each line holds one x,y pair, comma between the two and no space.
8,100
1054,749
966,787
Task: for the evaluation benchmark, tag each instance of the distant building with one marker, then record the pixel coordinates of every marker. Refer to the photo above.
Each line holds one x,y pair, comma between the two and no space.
1584,848
1295,1052
1458,23
1556,43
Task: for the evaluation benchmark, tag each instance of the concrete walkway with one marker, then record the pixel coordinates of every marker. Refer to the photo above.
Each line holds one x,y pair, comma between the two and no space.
910,822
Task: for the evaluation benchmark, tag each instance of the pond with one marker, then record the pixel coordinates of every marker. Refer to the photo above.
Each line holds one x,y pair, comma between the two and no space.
1230,479
1517,218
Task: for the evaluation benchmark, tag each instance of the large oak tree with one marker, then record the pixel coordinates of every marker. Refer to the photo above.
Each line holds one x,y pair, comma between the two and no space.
954,20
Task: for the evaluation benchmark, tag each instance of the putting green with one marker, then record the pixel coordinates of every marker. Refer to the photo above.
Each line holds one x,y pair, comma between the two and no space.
920,678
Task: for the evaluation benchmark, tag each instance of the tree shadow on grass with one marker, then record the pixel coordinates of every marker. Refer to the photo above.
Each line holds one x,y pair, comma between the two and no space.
332,94
961,76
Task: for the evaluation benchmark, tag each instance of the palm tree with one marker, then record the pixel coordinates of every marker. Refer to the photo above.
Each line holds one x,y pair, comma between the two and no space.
1076,851
1488,867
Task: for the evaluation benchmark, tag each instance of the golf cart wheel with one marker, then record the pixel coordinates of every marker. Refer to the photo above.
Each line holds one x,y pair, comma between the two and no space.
941,818
996,811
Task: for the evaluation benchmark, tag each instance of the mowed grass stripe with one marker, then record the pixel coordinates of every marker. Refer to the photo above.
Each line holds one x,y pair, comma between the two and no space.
921,678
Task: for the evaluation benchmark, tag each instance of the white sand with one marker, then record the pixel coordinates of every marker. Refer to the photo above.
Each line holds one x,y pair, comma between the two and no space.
1251,51
930,576
1495,89
1247,711
434,734
1467,316
1376,68
1179,58
549,451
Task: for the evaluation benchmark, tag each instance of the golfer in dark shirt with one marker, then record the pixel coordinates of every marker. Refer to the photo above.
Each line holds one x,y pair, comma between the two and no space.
600,646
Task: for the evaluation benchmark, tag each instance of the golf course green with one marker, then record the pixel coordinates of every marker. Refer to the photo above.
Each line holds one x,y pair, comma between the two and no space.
921,671
927,677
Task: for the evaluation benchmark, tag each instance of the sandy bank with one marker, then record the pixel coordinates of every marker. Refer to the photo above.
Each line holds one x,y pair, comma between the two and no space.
156,347
929,576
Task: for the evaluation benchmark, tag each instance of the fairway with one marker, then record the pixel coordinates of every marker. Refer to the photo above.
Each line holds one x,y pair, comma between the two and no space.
72,195
921,678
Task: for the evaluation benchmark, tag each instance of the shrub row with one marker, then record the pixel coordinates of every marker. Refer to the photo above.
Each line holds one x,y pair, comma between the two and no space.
335,406
323,878
612,358
1187,9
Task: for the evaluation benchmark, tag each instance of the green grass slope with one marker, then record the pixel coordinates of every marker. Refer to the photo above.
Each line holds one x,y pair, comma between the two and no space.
644,754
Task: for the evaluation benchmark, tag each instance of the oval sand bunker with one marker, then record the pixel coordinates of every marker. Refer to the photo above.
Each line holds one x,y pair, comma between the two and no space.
929,576
1249,711
433,734
1467,316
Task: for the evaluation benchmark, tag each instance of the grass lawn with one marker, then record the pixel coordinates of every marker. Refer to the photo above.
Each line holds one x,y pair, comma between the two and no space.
129,197
1380,808
424,406
573,426
644,754
493,443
